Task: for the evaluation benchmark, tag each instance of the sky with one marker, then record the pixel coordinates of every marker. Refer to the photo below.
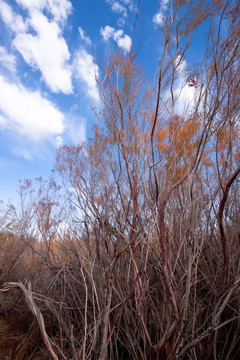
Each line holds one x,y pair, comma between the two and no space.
50,54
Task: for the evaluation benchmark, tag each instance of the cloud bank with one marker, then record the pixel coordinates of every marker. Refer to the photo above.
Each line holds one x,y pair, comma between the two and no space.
39,40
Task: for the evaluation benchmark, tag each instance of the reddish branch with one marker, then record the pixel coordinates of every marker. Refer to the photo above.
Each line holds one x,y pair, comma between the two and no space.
224,240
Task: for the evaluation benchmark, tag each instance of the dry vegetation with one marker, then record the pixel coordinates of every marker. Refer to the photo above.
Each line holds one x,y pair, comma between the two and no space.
137,256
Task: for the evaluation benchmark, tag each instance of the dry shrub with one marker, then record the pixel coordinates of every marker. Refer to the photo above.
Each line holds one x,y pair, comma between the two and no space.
139,258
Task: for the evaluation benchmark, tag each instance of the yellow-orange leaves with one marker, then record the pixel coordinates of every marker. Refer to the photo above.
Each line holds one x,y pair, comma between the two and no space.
161,137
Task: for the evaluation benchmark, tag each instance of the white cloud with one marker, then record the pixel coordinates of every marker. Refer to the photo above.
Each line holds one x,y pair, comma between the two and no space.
45,48
120,22
59,9
132,7
28,112
180,64
158,18
85,70
185,98
164,4
118,8
107,32
123,41
7,60
47,51
185,95
14,21
32,4
84,37
122,6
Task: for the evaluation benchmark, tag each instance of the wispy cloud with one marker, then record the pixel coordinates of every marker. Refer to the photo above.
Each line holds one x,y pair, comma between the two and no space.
86,71
59,9
84,37
14,21
28,112
158,18
132,4
123,8
58,141
123,41
119,8
121,22
76,130
7,60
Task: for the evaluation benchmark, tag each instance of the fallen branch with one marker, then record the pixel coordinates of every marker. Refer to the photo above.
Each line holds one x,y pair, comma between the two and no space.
35,311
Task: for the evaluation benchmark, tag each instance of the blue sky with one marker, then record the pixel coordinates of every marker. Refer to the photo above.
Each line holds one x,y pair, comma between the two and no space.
50,53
